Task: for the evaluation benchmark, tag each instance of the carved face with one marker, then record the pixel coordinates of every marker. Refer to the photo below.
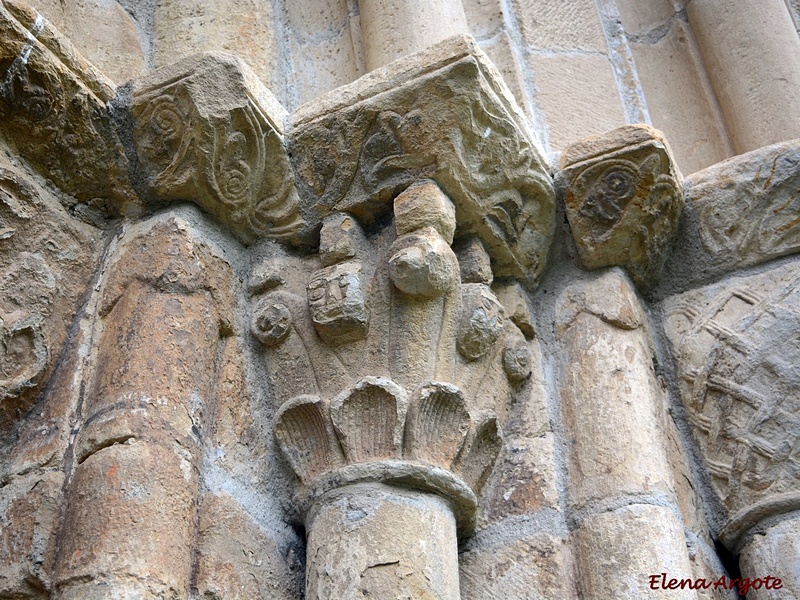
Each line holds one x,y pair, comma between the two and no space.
337,303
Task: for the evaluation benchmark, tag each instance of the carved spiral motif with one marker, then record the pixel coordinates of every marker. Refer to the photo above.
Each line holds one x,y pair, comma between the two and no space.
609,192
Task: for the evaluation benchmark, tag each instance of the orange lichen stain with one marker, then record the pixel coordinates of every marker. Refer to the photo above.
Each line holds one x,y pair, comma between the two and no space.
77,554
112,471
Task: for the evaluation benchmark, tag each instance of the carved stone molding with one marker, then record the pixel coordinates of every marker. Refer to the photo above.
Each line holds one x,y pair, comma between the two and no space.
207,130
54,107
624,199
443,114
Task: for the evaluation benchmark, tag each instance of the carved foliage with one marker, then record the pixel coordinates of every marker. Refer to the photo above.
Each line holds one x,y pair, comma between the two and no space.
369,419
53,105
304,432
623,200
373,421
224,151
453,125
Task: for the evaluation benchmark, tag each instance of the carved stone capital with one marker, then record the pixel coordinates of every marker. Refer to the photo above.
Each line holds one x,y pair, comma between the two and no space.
442,114
624,199
208,131
54,107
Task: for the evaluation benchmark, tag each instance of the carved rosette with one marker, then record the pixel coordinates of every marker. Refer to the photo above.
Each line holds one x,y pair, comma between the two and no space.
222,150
442,114
737,354
623,199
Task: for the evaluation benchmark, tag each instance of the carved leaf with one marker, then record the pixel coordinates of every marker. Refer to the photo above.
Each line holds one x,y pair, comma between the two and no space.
483,451
437,424
305,437
369,419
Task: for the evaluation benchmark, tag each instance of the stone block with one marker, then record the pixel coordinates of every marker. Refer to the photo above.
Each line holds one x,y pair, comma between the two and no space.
484,17
111,43
555,25
641,18
577,94
524,480
378,541
613,407
773,551
54,107
500,49
241,559
245,28
324,61
356,148
677,99
536,567
424,205
623,197
138,496
735,348
30,506
206,129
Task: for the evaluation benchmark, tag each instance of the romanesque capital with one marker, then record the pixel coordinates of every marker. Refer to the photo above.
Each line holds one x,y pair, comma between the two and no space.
623,199
207,130
443,114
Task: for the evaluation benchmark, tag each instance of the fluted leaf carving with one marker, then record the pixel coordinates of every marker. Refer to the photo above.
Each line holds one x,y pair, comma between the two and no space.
369,419
305,437
437,424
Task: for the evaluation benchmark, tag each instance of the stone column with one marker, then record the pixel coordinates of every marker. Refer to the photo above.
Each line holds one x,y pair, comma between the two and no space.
622,491
773,552
752,54
391,29
129,528
377,541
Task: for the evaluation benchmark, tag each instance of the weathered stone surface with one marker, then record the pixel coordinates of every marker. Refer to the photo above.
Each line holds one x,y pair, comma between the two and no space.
613,406
246,28
554,25
341,238
473,262
538,567
525,479
735,348
238,559
48,260
679,102
424,205
165,304
444,115
29,520
623,200
586,102
743,212
338,304
54,109
396,544
619,550
753,60
110,43
773,552
481,321
207,130
395,28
